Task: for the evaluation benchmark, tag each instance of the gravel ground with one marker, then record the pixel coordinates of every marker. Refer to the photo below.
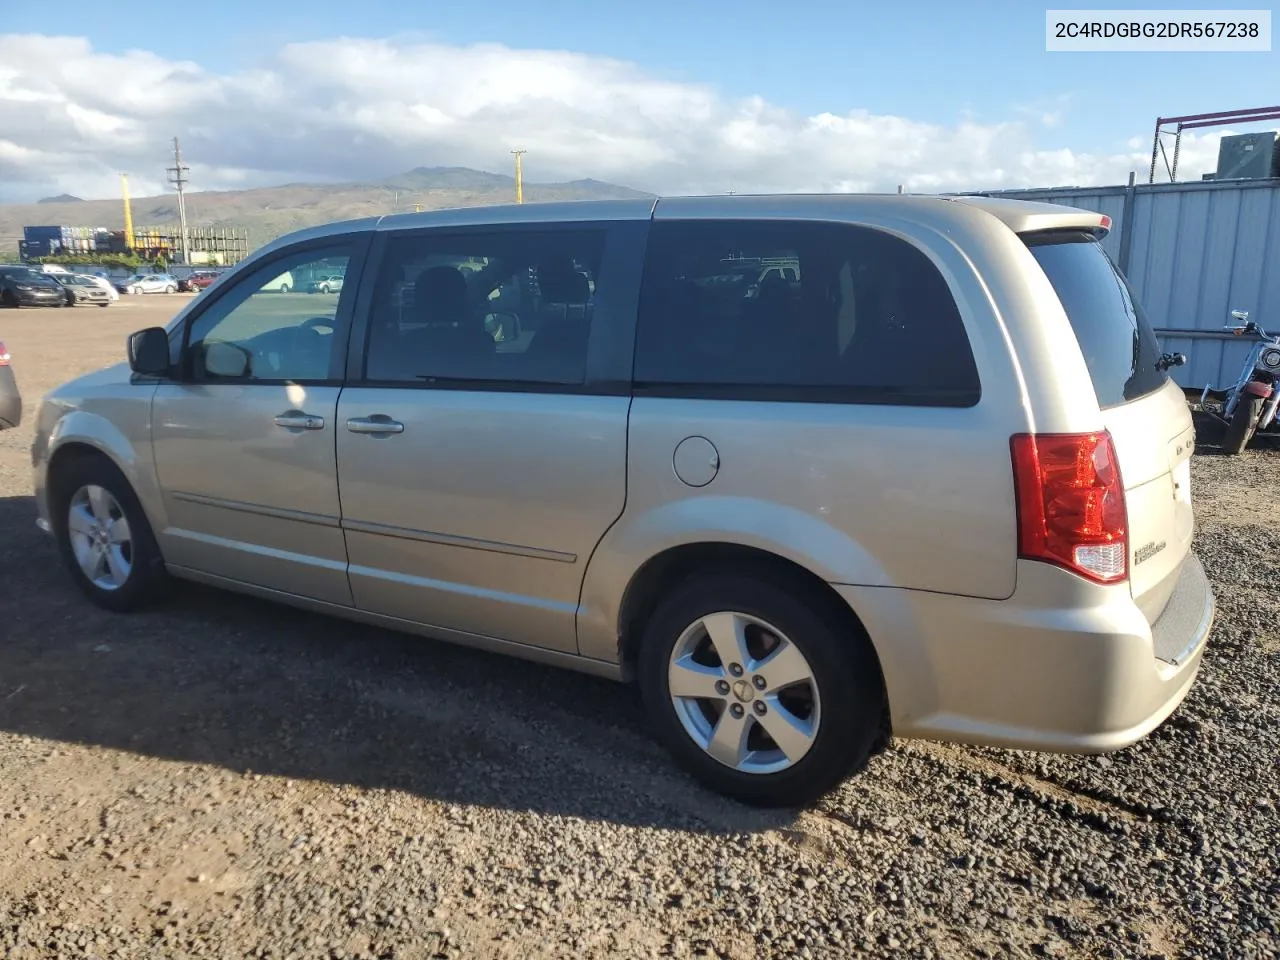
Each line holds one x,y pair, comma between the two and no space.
225,778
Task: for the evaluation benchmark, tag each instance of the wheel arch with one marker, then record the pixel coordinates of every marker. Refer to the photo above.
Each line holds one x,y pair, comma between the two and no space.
660,574
81,435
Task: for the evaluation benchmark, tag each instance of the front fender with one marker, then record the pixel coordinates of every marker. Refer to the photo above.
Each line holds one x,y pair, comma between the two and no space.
121,432
774,528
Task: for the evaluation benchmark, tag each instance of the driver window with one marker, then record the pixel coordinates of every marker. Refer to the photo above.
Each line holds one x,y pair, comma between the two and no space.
275,324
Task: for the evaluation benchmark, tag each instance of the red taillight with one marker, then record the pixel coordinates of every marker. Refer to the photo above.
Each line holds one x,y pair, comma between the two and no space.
1106,223
1071,509
4,355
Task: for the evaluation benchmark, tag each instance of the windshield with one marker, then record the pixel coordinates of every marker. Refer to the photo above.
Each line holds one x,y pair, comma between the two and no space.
1118,342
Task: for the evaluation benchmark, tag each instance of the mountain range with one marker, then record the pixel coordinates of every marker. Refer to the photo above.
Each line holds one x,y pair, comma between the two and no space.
268,212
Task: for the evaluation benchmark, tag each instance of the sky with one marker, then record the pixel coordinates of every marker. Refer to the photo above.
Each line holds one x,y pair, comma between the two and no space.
666,96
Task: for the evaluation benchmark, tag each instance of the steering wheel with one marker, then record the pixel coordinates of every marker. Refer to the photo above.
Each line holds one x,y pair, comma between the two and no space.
316,324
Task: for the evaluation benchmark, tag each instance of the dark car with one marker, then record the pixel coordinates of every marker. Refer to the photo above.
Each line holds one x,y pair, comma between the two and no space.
24,287
10,398
198,281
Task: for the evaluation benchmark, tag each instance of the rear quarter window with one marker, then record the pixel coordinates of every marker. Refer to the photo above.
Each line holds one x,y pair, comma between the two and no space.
798,310
1118,342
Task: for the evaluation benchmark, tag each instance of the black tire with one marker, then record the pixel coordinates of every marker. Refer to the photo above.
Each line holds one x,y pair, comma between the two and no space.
104,304
147,575
1244,421
843,665
171,289
284,288
7,299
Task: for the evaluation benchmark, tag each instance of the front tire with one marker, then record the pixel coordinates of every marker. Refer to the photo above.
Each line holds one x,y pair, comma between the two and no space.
284,288
759,689
103,536
171,289
1244,421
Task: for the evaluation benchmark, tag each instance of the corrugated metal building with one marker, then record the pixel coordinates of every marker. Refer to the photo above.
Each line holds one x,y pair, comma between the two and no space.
1193,252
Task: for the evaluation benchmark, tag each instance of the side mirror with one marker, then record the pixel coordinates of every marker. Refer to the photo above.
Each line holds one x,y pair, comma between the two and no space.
149,352
223,359
503,327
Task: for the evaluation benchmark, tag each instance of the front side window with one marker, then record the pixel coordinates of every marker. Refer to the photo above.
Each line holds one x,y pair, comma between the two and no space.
261,329
799,310
495,306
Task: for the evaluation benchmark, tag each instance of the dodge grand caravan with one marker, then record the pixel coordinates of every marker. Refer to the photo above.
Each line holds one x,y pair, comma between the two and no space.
937,486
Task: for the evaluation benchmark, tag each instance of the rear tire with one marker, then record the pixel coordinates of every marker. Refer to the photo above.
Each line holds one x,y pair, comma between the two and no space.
838,706
108,519
284,288
1243,424
7,299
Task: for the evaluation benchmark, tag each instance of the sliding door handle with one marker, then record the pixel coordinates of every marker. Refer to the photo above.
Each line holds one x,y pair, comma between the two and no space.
378,423
300,421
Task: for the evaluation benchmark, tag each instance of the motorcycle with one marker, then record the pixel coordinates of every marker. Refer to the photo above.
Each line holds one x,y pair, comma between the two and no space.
1249,405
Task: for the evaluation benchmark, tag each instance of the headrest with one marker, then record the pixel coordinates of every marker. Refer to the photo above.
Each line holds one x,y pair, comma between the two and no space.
440,283
560,282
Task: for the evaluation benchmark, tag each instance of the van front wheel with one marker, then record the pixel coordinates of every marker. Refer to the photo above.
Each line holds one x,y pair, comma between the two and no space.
756,692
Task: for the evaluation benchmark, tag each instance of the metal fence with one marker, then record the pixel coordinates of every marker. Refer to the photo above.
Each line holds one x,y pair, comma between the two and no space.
1193,252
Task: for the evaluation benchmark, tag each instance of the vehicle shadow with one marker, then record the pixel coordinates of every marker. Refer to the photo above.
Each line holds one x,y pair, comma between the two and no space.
211,677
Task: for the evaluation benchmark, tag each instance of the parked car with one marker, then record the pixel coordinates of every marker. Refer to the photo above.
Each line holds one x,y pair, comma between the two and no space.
68,296
199,280
104,282
82,289
10,398
281,284
23,287
940,490
149,283
327,284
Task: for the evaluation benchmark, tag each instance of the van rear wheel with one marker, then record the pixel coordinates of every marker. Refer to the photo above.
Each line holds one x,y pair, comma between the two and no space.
757,692
1244,421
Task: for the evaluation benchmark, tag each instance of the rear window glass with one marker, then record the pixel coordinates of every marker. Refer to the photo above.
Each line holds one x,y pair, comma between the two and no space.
781,310
1118,342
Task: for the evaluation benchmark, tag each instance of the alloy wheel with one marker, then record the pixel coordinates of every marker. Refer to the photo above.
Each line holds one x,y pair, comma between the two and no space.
744,692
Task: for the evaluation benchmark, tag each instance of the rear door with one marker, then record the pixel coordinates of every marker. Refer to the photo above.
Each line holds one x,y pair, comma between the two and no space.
1142,407
482,439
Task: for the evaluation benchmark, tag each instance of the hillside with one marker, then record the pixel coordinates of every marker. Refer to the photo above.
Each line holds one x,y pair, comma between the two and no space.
271,211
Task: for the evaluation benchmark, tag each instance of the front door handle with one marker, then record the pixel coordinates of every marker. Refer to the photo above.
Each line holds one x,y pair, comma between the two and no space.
378,423
300,421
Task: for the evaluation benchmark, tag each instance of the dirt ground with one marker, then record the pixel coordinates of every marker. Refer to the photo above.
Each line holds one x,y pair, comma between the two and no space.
220,777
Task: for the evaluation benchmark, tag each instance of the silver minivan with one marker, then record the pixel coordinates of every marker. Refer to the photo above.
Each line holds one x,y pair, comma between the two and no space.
932,482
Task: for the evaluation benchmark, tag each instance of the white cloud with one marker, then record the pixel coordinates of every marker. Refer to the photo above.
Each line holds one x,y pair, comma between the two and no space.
72,118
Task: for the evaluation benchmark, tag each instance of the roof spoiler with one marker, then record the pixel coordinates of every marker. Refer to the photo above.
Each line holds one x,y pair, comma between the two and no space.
1031,216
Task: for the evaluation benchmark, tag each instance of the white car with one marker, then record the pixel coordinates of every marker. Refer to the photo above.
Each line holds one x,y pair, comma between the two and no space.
101,281
150,283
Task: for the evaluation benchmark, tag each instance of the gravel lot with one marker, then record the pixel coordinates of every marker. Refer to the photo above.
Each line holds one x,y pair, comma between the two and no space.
225,778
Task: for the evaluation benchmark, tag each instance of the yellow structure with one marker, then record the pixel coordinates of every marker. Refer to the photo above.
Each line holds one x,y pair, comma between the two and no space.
519,155
128,212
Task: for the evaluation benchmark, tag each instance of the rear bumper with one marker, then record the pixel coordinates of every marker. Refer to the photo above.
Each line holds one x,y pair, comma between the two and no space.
1062,666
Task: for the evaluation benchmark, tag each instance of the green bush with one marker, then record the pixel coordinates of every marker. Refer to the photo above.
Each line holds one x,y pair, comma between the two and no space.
123,261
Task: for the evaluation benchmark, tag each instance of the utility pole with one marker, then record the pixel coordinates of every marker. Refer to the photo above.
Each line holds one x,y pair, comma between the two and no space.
178,177
519,155
128,213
